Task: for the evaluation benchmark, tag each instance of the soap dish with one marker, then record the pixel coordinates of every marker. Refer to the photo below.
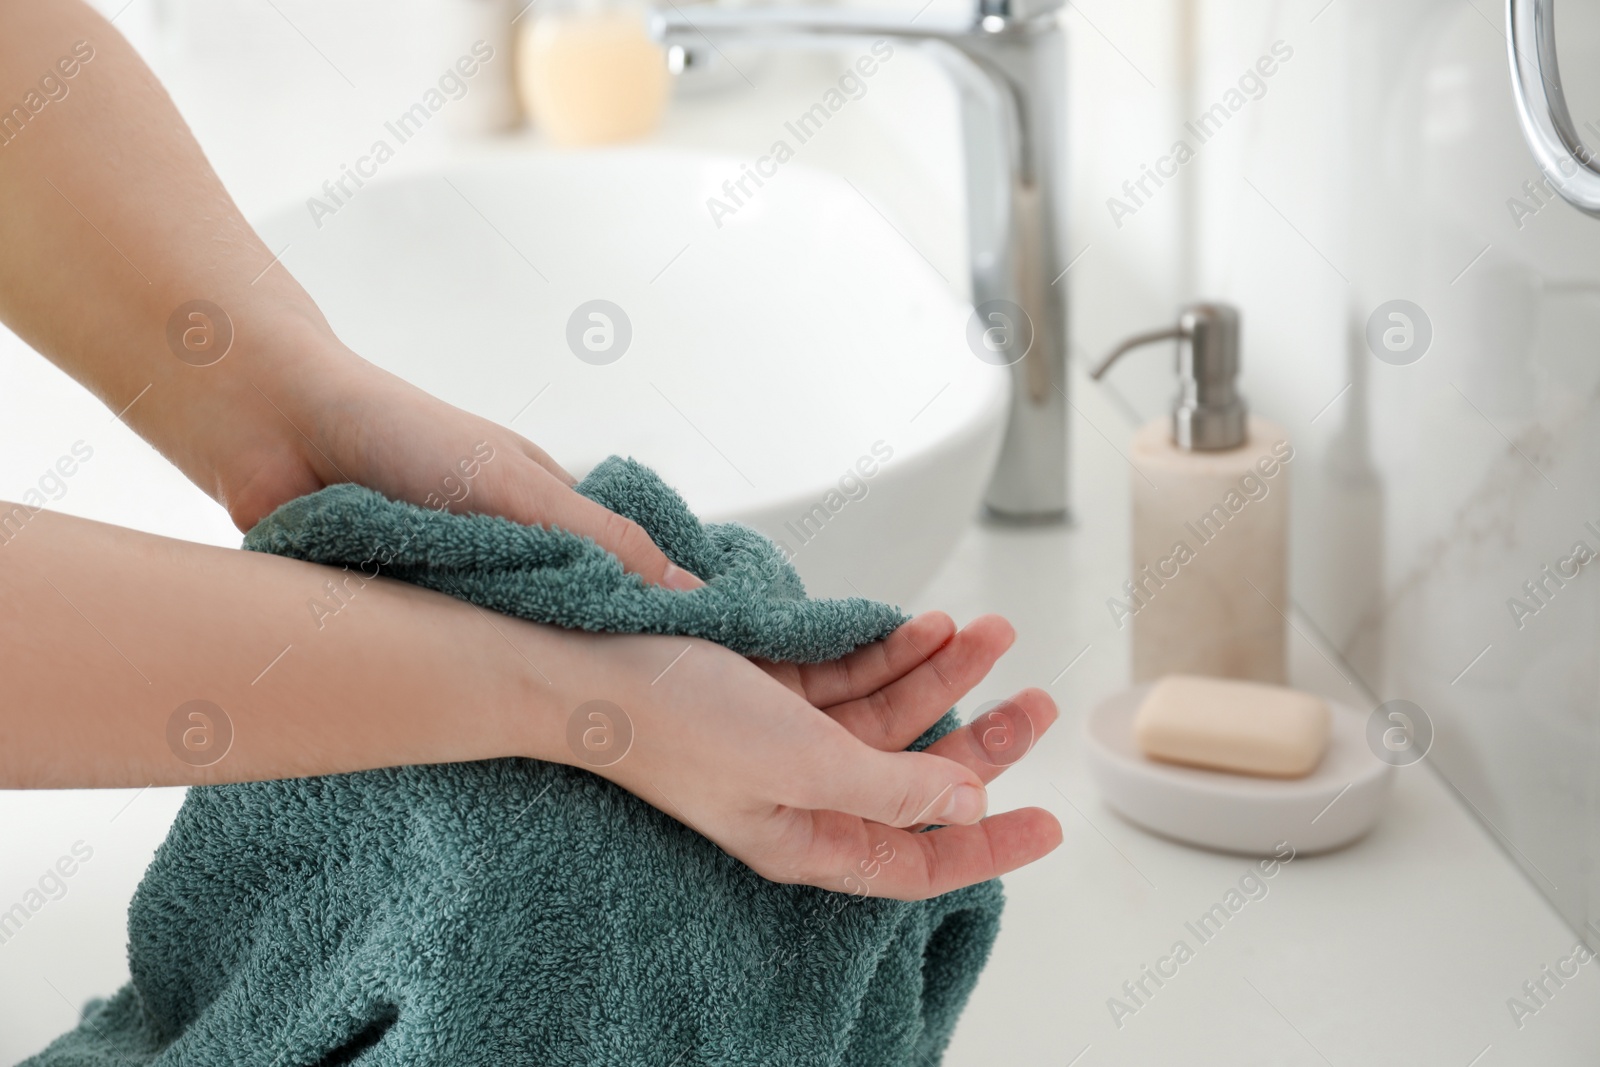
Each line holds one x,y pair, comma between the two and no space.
1331,807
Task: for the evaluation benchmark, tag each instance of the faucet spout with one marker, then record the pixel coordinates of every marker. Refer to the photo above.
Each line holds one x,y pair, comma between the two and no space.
1007,61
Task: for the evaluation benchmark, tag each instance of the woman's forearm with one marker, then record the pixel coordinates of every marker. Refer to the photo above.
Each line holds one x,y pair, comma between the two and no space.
107,636
125,262
112,223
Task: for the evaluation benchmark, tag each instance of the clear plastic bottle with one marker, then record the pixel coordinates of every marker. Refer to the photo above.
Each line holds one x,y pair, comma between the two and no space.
589,72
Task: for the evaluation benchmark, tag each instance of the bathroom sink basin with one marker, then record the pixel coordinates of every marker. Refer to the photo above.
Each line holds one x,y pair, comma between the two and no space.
793,363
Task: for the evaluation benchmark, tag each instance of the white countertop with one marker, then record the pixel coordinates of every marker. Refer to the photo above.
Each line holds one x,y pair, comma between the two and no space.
1402,949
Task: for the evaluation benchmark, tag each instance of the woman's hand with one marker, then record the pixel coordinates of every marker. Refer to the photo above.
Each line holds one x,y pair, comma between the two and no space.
799,771
304,412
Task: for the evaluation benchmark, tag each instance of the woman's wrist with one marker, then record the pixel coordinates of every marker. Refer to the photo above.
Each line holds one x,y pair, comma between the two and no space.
242,420
610,708
561,691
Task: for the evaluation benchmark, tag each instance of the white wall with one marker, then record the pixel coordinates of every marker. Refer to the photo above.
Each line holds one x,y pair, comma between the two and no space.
1384,155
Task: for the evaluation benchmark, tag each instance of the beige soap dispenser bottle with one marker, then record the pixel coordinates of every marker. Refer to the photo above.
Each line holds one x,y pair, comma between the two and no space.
1208,587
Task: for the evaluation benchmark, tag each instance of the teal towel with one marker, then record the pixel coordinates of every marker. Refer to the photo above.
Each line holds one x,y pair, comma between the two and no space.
519,912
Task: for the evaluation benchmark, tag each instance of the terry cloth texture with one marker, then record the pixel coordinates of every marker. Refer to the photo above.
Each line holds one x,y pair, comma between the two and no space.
519,912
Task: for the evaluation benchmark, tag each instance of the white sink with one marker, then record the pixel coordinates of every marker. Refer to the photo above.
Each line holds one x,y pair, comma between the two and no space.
769,357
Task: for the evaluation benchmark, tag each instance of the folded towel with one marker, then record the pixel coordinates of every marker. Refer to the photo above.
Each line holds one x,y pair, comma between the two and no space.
518,912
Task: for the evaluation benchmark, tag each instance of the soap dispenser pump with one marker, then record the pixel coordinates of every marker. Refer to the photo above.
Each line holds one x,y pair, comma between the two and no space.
1208,590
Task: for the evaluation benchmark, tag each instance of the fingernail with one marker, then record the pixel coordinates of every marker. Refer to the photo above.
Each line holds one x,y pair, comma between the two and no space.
965,805
675,577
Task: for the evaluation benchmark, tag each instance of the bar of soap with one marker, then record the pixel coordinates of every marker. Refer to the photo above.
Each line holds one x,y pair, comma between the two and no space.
1226,725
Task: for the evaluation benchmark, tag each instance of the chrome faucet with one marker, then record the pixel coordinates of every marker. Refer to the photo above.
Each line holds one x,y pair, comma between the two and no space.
1007,60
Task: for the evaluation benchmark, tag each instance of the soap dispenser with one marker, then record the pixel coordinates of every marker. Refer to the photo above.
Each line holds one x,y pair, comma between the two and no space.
1208,589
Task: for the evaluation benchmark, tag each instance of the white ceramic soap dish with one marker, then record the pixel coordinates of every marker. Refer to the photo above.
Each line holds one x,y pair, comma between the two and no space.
1332,806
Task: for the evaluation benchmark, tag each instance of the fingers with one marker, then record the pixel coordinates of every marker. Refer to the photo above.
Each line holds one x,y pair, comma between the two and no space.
1000,736
892,717
879,861
922,865
543,498
871,667
543,459
841,774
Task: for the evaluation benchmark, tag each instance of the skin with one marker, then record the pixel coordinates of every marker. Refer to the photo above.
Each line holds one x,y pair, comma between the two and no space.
110,219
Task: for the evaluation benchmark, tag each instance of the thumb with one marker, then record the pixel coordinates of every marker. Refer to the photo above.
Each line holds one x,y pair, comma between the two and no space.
902,788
